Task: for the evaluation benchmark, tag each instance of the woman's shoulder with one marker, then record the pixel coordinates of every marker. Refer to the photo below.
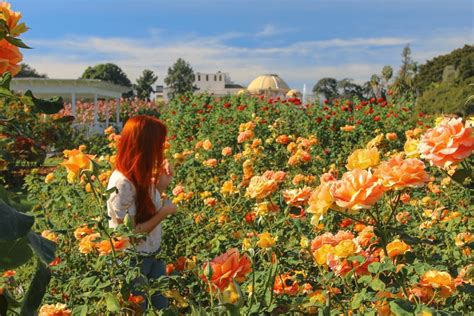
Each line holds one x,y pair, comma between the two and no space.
120,181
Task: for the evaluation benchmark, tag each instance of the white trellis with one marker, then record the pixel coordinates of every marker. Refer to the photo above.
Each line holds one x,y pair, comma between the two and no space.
73,89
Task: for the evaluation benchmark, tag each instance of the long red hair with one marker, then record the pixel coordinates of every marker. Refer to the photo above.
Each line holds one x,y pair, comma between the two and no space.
139,158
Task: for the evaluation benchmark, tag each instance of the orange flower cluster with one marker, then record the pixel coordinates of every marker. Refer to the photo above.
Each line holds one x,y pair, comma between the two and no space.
297,197
448,143
246,132
88,242
226,268
54,310
398,173
300,150
10,56
433,283
263,186
333,251
75,162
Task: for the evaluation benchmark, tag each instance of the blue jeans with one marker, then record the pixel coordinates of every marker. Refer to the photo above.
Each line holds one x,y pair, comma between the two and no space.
151,268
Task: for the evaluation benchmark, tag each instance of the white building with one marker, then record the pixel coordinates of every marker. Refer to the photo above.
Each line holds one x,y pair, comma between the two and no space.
218,84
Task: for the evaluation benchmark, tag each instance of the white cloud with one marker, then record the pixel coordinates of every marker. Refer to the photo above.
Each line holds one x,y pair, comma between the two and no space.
299,62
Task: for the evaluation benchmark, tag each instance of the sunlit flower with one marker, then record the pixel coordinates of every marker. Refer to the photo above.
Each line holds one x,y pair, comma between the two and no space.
83,231
297,197
397,247
54,310
261,187
357,189
210,163
50,235
229,188
135,299
105,247
230,295
10,57
265,240
320,201
448,143
88,243
411,148
226,151
227,267
438,280
398,173
49,178
285,284
345,248
348,128
363,159
391,136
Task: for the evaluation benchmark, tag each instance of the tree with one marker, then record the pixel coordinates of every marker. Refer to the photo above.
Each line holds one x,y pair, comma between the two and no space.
348,89
144,85
376,86
110,73
29,72
405,81
180,78
326,87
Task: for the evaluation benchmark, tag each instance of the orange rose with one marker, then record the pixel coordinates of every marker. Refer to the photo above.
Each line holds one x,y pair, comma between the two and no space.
83,231
227,267
12,18
54,310
244,136
10,58
397,248
88,244
227,151
398,173
348,128
366,237
210,163
391,136
261,187
136,299
439,280
285,284
297,197
448,143
283,139
207,145
50,235
357,189
77,161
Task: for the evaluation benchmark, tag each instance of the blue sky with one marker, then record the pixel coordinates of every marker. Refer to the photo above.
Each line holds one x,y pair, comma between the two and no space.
302,40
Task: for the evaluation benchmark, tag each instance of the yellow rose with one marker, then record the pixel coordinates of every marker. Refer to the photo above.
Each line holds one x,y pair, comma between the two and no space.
322,253
363,159
411,148
230,295
304,242
207,145
397,248
265,240
345,248
49,178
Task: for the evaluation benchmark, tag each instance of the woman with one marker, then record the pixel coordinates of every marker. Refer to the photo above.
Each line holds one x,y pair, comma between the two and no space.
141,174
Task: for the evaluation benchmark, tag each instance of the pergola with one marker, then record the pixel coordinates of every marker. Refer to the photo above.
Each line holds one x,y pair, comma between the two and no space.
73,89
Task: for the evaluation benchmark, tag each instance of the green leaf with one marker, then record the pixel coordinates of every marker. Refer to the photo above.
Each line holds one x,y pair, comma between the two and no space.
401,308
377,285
460,175
17,42
13,224
45,249
113,304
51,106
37,289
14,254
357,300
4,92
5,80
80,310
374,267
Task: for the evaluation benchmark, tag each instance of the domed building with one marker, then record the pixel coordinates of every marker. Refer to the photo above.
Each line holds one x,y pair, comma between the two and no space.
293,93
270,85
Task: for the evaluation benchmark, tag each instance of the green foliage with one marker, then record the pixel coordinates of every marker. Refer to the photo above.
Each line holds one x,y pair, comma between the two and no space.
432,71
108,72
29,72
327,87
446,97
144,85
180,78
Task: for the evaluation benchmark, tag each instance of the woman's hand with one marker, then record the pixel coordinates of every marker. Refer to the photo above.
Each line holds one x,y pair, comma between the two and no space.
166,176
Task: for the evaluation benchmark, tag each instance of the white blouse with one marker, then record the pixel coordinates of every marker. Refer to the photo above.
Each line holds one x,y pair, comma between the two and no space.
122,201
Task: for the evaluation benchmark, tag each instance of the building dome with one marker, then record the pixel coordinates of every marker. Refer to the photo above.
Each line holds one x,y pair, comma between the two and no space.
293,93
268,84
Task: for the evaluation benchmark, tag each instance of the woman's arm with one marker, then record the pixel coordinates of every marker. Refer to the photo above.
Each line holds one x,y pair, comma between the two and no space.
150,224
